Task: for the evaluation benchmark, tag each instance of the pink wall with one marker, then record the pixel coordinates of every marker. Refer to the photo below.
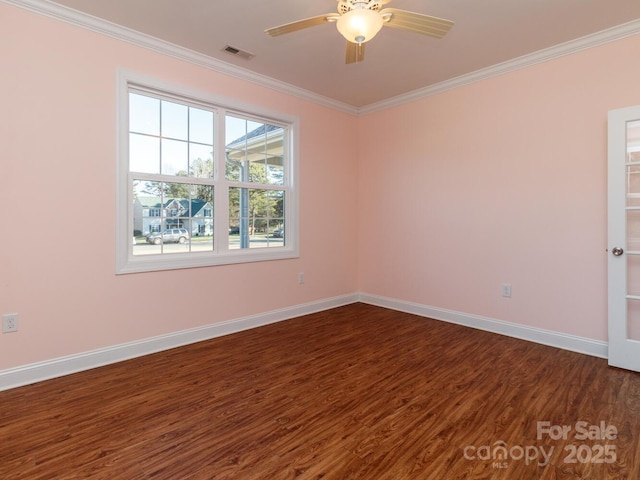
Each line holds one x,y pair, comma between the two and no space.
58,157
500,181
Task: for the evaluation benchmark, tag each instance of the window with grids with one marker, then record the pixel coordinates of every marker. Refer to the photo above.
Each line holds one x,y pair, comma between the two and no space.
202,182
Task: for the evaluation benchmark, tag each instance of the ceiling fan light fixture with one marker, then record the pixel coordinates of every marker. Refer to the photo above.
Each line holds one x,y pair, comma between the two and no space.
359,25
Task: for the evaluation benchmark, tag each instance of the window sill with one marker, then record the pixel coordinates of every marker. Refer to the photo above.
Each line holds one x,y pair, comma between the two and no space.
193,260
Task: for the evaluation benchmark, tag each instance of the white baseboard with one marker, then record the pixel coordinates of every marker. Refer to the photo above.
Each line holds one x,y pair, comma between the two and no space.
546,337
58,367
36,372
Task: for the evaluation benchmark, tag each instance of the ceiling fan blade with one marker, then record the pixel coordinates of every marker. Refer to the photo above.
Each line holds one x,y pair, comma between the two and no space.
416,22
355,53
300,24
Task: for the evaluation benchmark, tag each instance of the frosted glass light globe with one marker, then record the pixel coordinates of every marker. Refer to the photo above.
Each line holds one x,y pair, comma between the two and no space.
359,25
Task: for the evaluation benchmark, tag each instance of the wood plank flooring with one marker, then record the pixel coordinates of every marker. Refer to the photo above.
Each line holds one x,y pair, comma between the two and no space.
355,392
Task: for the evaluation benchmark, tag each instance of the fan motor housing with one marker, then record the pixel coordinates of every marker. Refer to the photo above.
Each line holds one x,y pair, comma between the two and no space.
345,6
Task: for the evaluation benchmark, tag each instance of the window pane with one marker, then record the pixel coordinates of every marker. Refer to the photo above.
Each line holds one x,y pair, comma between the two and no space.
200,160
175,158
204,193
144,114
233,167
235,128
200,126
633,319
202,218
258,203
147,216
145,188
235,133
144,153
275,174
275,156
202,198
633,230
200,240
258,172
175,191
176,206
633,185
277,197
633,274
236,198
276,232
174,121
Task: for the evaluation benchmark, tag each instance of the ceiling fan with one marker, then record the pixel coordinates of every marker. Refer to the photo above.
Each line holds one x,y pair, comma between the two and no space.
360,20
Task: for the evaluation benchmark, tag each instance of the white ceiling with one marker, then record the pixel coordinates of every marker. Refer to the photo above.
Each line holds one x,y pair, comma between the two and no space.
486,33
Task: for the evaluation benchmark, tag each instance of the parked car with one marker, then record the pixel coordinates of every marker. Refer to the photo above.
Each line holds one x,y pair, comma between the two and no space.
170,235
234,230
278,233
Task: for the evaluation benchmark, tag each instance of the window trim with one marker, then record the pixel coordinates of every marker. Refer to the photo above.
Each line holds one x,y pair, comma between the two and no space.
126,262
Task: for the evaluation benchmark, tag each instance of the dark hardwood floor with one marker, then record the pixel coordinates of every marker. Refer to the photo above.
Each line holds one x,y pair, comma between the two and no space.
355,392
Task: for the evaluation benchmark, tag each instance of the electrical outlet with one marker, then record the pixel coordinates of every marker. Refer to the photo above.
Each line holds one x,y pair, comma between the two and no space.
9,322
301,278
506,290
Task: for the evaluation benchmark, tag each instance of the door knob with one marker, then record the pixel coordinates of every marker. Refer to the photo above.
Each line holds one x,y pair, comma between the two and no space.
617,251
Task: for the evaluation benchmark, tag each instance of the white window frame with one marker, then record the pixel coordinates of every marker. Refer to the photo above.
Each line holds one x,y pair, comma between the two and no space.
126,262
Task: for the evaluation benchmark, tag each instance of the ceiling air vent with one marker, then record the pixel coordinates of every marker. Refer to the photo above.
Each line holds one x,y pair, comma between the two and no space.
237,52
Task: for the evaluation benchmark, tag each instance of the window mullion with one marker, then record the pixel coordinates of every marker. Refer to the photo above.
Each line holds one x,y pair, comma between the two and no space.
221,191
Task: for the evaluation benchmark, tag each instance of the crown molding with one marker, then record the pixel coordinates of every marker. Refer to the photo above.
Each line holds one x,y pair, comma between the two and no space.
89,22
104,27
590,41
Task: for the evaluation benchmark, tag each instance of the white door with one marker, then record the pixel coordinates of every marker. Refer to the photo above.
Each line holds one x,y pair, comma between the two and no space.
624,238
